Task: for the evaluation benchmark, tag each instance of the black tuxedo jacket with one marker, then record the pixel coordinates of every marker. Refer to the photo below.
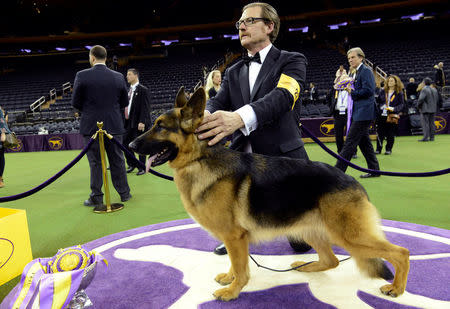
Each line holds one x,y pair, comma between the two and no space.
140,108
101,95
278,115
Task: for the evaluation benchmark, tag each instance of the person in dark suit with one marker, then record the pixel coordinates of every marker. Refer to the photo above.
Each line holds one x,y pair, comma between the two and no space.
439,75
428,103
363,113
411,89
137,116
312,93
258,101
390,101
100,94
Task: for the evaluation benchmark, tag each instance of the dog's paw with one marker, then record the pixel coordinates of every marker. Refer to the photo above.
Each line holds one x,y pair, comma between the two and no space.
226,294
391,290
224,278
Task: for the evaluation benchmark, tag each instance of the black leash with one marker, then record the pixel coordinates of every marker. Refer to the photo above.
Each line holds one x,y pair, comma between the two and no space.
294,268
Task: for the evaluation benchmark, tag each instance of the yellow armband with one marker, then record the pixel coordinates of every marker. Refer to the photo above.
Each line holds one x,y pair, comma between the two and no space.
291,85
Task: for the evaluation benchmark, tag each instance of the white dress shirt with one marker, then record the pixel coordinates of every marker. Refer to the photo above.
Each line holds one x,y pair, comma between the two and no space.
246,112
130,100
342,102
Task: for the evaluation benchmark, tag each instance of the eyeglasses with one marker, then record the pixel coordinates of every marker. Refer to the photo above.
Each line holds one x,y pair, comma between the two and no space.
249,21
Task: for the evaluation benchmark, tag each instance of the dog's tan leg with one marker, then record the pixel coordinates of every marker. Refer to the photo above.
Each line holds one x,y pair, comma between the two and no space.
396,255
327,259
364,240
354,224
399,258
239,272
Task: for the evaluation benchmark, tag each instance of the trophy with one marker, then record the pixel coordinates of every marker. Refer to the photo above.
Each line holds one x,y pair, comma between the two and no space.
70,272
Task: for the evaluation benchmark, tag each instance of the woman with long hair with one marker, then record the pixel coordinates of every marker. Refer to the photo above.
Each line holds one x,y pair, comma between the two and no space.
391,101
213,82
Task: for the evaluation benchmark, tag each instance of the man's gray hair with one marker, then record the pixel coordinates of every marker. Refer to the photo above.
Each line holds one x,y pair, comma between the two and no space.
358,51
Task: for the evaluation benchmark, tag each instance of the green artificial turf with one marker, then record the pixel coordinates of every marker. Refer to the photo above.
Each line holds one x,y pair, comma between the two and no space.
58,219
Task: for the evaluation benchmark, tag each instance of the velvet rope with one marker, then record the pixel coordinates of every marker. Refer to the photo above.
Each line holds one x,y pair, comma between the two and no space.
48,181
142,165
366,170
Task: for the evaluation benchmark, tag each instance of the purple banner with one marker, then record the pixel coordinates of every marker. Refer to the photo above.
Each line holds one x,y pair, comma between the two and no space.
320,127
48,142
324,127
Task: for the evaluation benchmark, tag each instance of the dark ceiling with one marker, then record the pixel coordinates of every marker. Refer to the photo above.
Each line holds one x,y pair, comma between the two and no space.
43,17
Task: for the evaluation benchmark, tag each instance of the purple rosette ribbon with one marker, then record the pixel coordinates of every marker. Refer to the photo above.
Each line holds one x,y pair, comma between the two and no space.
341,85
48,283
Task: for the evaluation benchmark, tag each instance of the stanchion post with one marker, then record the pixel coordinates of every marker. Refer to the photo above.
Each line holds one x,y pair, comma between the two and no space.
108,207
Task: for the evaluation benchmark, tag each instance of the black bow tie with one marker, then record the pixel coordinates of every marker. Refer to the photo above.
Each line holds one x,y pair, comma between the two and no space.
248,59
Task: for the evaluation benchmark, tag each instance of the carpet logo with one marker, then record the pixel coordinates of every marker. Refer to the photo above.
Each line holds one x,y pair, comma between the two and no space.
6,251
327,127
55,142
18,147
171,265
440,123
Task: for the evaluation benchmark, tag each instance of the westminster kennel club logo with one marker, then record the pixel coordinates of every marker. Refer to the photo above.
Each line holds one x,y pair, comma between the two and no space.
171,265
55,142
19,146
327,127
440,123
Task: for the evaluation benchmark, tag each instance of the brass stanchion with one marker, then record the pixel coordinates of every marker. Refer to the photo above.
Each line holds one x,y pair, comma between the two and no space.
108,207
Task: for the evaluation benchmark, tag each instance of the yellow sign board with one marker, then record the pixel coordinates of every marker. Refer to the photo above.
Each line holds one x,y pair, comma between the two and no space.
15,247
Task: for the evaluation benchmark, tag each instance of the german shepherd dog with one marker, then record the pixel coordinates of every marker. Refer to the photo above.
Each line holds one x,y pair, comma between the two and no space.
244,197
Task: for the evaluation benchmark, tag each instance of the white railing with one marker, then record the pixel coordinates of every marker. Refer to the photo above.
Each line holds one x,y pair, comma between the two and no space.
37,104
66,87
378,70
52,94
198,85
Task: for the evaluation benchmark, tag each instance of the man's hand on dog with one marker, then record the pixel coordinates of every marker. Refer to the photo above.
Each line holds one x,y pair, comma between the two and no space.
219,124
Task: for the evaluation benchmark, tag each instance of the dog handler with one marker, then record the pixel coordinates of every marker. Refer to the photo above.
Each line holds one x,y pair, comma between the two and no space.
259,100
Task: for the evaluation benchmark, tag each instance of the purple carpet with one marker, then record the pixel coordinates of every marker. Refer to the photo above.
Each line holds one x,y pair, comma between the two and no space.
171,265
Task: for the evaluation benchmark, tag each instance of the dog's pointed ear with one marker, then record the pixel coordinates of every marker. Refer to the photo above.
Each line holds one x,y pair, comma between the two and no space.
181,99
192,112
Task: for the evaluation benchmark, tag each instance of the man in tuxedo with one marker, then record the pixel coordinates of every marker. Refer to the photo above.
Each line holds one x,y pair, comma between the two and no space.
313,94
258,102
137,116
100,94
363,113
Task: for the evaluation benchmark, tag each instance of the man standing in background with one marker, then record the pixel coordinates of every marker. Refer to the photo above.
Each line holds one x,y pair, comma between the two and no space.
100,94
363,114
137,116
427,103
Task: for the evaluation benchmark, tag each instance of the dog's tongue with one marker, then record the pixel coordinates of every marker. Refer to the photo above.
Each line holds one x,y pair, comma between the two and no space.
148,164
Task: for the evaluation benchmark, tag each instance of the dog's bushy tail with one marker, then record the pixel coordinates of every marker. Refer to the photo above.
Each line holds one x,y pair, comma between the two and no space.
375,268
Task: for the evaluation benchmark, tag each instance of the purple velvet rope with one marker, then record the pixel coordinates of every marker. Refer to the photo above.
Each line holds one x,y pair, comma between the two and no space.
426,174
142,165
48,181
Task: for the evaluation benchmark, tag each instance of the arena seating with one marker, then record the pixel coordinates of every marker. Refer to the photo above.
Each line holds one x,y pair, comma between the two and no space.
183,66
